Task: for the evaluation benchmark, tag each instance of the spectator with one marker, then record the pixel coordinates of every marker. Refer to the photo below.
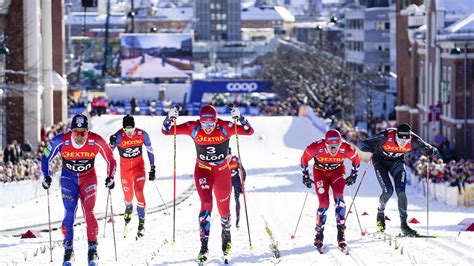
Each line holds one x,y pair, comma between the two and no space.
11,153
26,149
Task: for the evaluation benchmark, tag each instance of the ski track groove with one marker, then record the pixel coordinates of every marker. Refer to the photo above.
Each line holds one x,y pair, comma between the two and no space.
448,249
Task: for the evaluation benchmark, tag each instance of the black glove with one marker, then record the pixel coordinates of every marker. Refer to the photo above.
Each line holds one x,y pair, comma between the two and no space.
112,140
151,174
306,180
109,182
350,180
46,182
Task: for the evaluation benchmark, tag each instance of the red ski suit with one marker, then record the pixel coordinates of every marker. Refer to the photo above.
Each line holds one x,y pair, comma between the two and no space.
212,172
329,171
132,165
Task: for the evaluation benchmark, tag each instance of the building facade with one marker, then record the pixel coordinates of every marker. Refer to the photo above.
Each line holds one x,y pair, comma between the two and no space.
217,20
367,50
436,92
33,92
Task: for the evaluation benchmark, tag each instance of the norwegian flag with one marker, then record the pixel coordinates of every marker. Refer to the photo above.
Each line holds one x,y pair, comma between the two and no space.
434,113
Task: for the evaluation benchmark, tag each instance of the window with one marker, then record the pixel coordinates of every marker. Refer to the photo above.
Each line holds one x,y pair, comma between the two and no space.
379,25
212,6
387,25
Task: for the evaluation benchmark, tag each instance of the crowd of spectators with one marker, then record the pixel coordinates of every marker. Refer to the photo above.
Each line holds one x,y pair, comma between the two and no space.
455,173
21,161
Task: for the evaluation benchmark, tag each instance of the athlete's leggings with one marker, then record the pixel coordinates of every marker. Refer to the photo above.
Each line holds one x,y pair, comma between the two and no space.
322,181
397,170
71,191
210,178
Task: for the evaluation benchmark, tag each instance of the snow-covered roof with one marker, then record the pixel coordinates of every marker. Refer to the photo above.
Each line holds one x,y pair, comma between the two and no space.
95,18
455,6
171,14
266,13
463,29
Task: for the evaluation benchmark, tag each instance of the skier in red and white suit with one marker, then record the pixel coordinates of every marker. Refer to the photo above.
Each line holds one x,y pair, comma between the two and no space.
329,171
129,140
212,173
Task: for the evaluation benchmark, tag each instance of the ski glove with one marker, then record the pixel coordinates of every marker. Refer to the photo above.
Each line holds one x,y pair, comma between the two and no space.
235,113
46,182
306,180
173,113
112,140
152,172
350,180
432,151
109,182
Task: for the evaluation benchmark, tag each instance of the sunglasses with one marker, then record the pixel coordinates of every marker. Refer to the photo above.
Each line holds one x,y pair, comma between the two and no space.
208,125
333,147
129,130
79,134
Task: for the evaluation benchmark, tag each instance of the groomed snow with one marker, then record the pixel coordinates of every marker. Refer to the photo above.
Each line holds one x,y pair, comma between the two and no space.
274,193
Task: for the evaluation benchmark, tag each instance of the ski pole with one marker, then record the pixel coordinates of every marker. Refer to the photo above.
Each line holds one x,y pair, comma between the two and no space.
178,107
242,180
358,187
164,203
113,224
49,224
299,218
362,233
106,210
427,197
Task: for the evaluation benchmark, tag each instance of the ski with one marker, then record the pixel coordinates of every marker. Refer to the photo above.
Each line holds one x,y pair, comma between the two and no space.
322,250
399,235
125,231
225,258
344,250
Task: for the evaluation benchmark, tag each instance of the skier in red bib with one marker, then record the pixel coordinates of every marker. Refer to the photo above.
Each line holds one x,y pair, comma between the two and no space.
211,136
329,154
389,148
130,141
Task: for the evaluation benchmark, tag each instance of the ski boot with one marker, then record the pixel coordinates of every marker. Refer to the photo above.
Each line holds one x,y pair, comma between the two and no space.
237,222
203,253
226,241
141,228
127,216
318,239
407,231
92,256
341,241
68,253
381,221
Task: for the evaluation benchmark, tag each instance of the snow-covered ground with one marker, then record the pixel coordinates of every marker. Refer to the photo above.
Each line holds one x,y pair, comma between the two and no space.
274,193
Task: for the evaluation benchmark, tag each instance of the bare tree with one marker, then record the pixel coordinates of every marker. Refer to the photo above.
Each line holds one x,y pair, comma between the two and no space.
325,81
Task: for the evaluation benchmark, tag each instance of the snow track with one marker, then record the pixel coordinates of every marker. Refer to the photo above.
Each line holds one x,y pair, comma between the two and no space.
273,189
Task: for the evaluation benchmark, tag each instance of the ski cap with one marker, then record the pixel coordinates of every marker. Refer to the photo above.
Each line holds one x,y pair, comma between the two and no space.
404,131
208,113
128,122
333,137
79,121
